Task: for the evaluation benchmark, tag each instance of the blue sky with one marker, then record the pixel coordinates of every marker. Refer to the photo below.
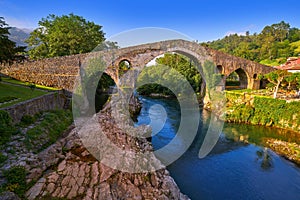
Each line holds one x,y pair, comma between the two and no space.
202,20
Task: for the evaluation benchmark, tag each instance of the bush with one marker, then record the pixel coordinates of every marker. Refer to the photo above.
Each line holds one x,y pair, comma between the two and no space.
264,111
16,180
6,127
2,159
27,120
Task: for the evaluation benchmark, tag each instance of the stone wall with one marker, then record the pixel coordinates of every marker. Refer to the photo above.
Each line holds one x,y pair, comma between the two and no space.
55,100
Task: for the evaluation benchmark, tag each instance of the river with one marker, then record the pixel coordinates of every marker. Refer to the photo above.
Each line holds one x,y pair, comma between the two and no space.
238,167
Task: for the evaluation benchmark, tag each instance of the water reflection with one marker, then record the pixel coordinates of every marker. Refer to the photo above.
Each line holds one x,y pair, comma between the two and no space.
239,166
265,159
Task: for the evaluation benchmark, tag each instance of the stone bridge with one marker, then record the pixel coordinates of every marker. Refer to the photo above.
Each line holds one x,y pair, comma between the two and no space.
61,72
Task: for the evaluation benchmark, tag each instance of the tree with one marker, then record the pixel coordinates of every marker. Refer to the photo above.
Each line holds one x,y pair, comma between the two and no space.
276,77
64,35
272,46
184,66
8,51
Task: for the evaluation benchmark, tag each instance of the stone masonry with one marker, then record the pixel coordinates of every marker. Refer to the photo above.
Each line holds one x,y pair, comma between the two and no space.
61,72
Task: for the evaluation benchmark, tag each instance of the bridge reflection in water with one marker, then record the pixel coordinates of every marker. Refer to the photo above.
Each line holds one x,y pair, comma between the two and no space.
239,166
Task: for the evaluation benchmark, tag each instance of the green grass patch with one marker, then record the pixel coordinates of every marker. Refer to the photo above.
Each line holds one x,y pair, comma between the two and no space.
6,99
14,81
19,92
48,130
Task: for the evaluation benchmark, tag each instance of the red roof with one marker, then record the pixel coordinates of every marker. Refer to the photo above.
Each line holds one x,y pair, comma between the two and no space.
291,64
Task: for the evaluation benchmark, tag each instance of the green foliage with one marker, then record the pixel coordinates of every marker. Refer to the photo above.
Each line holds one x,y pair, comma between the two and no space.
27,120
171,70
6,127
264,111
149,89
64,35
3,158
162,79
19,92
276,78
271,47
49,129
16,180
241,113
17,82
184,66
8,51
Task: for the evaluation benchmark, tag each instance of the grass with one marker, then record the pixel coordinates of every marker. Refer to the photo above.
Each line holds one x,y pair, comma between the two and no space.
17,82
48,130
20,93
6,127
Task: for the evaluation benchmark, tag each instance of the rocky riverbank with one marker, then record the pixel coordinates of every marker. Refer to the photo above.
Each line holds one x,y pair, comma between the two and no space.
66,169
290,151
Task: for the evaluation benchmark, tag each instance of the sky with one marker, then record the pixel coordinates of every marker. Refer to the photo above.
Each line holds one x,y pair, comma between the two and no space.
201,20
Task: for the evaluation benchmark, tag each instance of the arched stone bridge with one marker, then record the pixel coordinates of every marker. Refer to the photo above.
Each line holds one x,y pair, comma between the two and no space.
61,72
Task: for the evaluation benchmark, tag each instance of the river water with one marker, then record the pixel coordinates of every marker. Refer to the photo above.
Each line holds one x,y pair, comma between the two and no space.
234,169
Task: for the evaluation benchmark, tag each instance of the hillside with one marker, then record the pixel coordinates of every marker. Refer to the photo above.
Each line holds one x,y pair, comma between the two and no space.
272,46
19,36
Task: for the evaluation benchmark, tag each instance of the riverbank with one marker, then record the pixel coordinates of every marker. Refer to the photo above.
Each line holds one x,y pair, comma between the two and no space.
68,170
266,111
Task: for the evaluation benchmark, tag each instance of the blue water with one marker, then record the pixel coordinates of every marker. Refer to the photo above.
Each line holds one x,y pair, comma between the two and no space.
234,169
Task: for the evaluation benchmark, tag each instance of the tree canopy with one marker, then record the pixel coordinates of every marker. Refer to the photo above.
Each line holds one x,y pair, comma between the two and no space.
64,35
181,64
8,51
272,46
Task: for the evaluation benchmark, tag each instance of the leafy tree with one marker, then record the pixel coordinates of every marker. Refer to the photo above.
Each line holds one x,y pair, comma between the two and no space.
8,51
276,78
291,79
184,66
272,46
64,35
181,64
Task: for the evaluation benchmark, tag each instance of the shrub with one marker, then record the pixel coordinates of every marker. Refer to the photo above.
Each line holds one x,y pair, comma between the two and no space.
27,120
6,127
16,180
2,159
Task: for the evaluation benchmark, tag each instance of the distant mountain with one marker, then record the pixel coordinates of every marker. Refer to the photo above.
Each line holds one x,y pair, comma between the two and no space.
19,35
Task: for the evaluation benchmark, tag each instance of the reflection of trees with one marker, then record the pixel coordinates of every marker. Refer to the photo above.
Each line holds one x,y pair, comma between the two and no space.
265,158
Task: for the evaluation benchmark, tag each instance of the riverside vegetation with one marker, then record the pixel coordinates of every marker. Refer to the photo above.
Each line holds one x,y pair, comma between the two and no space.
267,111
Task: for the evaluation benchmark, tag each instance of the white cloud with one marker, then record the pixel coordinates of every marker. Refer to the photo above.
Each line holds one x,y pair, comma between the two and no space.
19,23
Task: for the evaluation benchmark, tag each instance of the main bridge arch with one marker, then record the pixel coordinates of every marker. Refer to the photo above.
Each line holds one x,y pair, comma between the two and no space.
140,56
